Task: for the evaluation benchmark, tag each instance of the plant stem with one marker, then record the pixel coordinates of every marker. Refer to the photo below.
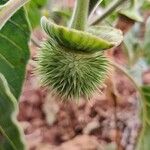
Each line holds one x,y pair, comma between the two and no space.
141,97
94,9
8,9
92,4
116,66
117,137
80,14
142,102
108,11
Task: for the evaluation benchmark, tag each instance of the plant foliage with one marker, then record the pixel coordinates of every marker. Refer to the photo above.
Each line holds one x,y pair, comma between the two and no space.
14,54
143,142
14,51
8,124
34,11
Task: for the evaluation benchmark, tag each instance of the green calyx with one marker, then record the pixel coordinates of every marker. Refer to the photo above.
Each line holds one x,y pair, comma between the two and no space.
75,40
71,62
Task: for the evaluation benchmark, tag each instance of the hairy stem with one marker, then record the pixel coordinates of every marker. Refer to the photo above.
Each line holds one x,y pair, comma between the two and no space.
116,66
108,11
141,97
80,14
94,9
7,10
117,136
92,4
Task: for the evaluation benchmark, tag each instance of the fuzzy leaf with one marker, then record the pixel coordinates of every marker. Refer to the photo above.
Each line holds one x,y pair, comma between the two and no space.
8,123
143,143
146,5
14,51
3,2
8,8
77,41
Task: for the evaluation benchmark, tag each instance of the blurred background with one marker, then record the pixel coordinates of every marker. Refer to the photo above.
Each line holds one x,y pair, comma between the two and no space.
110,120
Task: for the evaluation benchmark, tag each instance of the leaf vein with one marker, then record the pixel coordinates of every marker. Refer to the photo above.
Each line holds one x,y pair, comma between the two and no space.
17,25
12,42
5,59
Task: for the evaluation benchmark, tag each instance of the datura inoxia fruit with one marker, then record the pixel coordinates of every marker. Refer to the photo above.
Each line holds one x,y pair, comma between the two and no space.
71,62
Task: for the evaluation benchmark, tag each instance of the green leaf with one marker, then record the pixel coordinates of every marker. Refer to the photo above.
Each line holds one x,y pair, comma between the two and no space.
8,9
75,40
146,47
34,11
143,143
8,123
14,51
146,5
3,2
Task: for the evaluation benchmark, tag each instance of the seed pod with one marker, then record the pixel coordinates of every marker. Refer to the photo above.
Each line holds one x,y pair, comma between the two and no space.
71,62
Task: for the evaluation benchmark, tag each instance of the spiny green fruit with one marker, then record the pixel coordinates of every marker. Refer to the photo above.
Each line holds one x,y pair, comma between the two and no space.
70,75
71,62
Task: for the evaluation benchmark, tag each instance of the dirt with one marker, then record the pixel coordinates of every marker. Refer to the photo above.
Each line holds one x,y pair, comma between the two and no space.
110,117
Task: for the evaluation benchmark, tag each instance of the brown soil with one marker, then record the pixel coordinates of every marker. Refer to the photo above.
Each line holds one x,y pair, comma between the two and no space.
110,118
